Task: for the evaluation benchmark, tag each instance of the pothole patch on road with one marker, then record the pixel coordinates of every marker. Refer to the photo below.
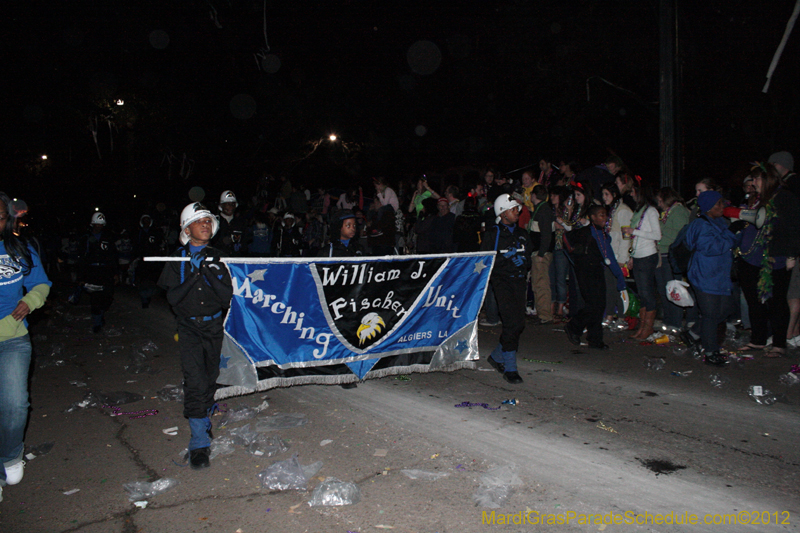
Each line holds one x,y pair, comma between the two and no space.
660,466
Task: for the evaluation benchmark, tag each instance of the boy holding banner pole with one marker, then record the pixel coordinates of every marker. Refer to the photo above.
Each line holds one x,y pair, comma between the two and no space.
508,280
199,290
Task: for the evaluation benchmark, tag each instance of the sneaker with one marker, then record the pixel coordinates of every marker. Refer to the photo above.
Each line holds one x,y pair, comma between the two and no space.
488,323
15,472
716,359
199,458
512,377
794,342
539,322
500,367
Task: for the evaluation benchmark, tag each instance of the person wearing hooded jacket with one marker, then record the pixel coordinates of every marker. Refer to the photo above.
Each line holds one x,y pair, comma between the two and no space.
199,290
712,243
508,280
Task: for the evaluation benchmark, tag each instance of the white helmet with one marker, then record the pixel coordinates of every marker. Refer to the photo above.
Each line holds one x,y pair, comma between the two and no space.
192,213
99,218
503,203
227,197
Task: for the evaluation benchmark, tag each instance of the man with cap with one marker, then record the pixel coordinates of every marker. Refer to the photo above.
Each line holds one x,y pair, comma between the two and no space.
98,270
508,281
232,227
199,290
712,243
784,164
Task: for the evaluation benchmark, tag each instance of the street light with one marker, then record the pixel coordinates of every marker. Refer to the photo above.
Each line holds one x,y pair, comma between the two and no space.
332,137
44,157
120,102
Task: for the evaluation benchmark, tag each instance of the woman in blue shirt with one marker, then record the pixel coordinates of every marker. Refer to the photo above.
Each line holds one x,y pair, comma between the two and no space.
23,287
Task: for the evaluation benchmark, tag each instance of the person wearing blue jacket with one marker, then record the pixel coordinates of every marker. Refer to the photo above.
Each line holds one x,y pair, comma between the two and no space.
712,243
23,288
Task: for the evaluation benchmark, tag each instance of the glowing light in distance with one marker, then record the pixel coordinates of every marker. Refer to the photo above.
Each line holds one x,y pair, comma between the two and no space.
332,137
44,156
120,102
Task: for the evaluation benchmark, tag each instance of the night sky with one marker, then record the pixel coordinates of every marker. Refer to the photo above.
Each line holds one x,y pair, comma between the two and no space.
408,87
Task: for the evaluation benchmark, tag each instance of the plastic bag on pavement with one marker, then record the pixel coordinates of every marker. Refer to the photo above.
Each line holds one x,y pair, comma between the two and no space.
718,380
267,446
243,436
237,415
333,492
281,421
142,490
90,399
311,470
496,487
171,393
148,346
761,395
284,475
423,475
220,446
653,363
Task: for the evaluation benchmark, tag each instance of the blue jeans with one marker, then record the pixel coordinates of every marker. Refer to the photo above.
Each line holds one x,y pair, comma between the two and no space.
644,273
559,269
672,314
714,309
15,361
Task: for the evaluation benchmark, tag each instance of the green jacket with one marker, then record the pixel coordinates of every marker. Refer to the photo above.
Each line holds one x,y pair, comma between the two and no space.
677,219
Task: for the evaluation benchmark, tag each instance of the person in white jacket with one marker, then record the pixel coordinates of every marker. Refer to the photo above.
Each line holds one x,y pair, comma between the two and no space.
645,231
619,216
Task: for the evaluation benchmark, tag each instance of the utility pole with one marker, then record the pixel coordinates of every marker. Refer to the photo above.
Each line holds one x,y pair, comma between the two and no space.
667,101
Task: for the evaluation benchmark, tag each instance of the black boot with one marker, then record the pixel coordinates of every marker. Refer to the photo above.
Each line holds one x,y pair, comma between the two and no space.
199,458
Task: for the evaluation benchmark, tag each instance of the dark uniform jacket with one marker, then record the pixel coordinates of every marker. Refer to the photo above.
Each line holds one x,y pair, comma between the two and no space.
230,236
338,249
500,238
201,293
99,260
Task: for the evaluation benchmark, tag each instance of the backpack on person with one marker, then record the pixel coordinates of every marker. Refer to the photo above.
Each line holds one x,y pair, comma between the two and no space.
680,255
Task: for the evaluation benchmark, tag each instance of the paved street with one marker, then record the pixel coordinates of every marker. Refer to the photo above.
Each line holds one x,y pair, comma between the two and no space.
592,433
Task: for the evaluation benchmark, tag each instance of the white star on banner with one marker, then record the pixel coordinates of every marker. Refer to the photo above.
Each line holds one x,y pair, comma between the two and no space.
257,275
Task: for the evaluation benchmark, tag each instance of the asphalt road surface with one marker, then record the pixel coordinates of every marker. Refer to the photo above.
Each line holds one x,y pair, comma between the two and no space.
595,438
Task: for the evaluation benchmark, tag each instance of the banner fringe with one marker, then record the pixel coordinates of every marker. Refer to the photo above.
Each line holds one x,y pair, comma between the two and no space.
274,383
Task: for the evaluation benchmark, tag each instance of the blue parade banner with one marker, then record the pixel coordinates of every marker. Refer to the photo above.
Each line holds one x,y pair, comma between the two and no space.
339,320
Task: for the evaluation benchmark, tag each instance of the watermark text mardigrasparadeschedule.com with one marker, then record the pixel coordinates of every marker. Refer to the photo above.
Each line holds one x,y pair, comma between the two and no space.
776,518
